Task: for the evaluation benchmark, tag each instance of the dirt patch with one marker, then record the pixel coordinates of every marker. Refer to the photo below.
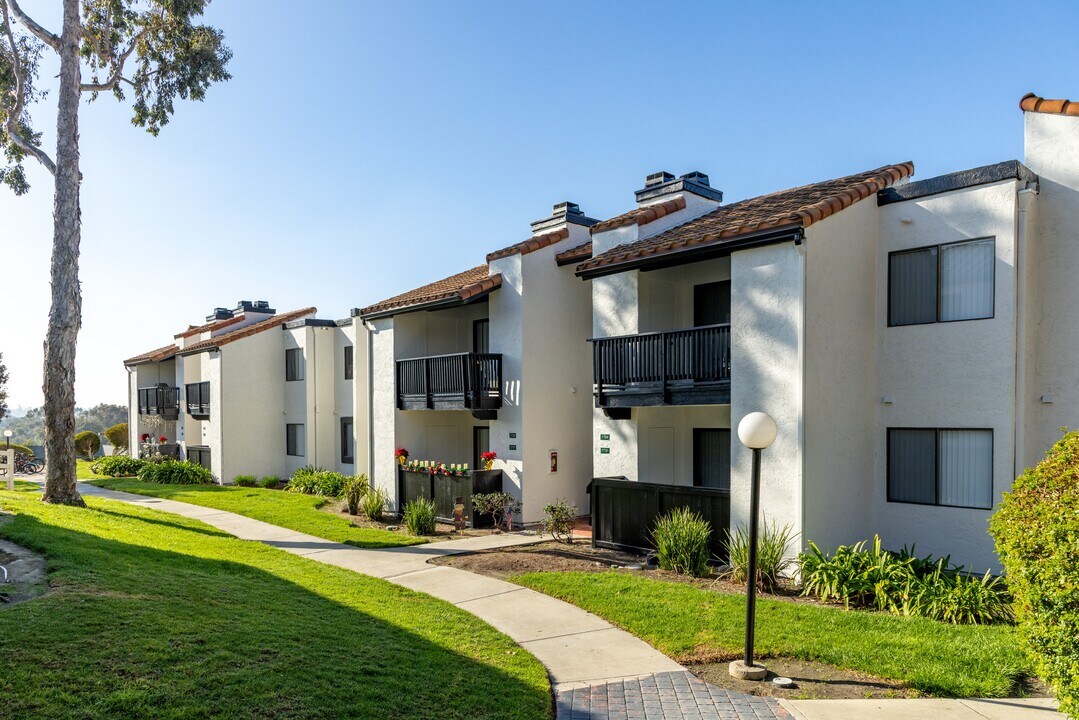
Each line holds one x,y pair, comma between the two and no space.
812,681
443,531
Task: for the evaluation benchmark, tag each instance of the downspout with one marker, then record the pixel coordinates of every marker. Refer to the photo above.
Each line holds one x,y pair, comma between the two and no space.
1022,238
800,248
313,343
369,400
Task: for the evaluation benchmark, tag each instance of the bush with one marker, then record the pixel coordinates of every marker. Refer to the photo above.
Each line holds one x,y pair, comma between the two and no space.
87,443
374,502
312,480
497,505
175,472
903,584
558,520
270,482
773,542
245,480
118,438
420,516
681,538
1036,531
355,489
116,466
19,448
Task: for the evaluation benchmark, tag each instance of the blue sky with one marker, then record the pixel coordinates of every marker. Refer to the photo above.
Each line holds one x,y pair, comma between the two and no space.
363,149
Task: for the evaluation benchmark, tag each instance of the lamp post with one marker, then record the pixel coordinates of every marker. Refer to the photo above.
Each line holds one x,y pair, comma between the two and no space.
7,436
757,431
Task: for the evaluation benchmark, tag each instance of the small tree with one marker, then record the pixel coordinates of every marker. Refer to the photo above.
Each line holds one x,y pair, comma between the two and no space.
118,438
87,443
3,388
150,48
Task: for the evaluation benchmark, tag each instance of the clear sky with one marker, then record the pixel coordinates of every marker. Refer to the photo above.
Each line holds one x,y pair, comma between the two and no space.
363,149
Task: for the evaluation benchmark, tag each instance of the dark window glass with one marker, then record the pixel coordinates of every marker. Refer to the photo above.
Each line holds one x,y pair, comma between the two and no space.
912,466
348,441
941,467
712,304
481,336
295,439
712,458
942,283
198,398
294,364
348,362
912,287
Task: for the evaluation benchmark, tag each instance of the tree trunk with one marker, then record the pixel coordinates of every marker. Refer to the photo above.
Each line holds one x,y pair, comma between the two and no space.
65,314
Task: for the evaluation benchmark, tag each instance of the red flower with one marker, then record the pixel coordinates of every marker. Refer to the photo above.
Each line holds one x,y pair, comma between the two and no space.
144,437
489,455
162,439
400,452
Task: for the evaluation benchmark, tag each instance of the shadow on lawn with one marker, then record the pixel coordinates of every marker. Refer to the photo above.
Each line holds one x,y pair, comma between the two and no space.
140,631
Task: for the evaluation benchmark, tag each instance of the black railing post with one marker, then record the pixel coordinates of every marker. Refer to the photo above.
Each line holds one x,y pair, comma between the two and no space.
429,401
663,367
596,372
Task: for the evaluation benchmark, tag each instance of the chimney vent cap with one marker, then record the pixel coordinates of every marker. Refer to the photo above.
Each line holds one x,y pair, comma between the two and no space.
658,178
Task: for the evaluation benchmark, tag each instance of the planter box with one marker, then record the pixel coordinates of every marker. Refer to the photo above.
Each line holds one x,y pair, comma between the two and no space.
444,489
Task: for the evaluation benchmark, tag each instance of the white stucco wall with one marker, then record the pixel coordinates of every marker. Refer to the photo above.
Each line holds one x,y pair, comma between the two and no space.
948,375
383,406
344,397
507,335
252,402
362,395
298,400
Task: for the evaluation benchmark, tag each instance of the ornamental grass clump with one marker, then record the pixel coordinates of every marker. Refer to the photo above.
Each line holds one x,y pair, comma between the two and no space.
312,480
419,516
681,539
245,480
269,482
355,488
373,502
1036,531
773,542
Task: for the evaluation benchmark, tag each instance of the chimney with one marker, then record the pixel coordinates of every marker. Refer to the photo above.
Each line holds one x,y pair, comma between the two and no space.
563,214
660,184
245,307
219,314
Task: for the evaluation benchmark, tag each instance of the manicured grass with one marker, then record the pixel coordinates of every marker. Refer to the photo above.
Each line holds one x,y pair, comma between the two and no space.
683,620
151,615
289,510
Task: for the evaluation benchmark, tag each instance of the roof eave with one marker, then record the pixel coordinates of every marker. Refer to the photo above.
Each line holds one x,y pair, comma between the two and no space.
455,300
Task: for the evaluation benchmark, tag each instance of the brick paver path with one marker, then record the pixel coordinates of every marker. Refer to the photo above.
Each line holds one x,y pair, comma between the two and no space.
661,697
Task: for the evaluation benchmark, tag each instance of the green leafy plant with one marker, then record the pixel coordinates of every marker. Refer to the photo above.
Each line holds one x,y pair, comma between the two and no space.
269,482
19,448
87,443
118,438
355,488
496,505
1036,531
773,543
681,539
312,480
419,516
117,466
373,502
245,480
558,520
175,472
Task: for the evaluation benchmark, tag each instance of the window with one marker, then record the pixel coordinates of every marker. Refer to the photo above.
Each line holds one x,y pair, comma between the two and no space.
348,362
712,458
348,441
942,283
481,336
198,398
941,467
712,304
295,440
294,364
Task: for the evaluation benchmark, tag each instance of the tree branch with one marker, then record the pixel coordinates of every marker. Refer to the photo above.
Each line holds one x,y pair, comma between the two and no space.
117,74
14,113
42,34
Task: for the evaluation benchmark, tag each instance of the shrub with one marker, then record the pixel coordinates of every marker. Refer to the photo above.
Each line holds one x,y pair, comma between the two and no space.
175,472
117,437
1036,531
681,538
87,443
312,480
903,584
269,482
497,505
420,516
116,466
245,480
558,520
19,448
374,503
773,542
355,489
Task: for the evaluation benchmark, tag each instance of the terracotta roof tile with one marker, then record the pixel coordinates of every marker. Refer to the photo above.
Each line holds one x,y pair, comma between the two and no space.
530,245
1033,103
158,355
796,207
462,286
212,325
574,254
640,216
247,331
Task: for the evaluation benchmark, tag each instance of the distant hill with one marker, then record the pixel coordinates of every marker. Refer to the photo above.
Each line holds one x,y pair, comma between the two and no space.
28,428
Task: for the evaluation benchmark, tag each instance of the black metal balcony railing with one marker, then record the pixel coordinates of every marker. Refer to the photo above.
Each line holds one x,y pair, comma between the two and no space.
466,381
159,400
679,367
198,399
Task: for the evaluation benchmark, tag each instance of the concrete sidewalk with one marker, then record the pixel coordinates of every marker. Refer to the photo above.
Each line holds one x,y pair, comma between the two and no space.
965,709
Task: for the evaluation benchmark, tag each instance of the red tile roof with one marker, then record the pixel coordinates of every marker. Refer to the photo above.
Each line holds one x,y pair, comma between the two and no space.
530,245
212,325
461,287
793,208
1033,103
247,331
574,254
641,216
158,355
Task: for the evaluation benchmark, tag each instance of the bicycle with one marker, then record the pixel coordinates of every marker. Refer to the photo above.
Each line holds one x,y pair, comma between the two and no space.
28,464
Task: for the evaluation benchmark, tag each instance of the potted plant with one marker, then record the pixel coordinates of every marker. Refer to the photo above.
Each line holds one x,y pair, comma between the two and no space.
401,454
488,458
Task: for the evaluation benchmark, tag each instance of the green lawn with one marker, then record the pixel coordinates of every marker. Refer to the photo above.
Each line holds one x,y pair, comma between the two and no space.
680,619
290,510
151,615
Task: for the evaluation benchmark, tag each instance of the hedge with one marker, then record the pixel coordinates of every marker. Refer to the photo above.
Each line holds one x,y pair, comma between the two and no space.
1037,536
87,443
175,472
18,448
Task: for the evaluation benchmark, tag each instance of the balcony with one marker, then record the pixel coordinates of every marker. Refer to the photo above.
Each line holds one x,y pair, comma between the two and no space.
160,400
464,381
198,399
678,367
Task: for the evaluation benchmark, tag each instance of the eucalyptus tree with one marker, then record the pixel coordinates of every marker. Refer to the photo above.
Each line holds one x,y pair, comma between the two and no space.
150,52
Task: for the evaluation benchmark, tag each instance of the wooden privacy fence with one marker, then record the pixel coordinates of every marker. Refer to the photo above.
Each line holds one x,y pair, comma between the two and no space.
624,513
444,489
